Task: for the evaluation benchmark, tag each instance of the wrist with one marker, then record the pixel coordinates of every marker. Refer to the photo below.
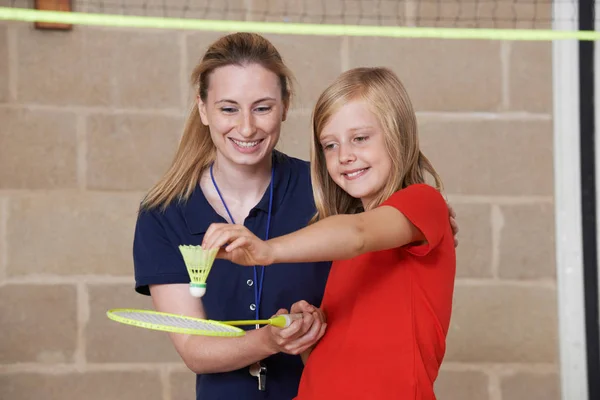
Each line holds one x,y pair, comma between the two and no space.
304,355
275,256
266,340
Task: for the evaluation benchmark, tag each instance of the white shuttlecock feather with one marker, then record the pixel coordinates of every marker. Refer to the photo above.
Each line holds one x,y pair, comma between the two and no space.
198,262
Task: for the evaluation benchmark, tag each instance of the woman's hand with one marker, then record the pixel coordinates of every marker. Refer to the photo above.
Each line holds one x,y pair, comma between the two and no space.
241,246
453,224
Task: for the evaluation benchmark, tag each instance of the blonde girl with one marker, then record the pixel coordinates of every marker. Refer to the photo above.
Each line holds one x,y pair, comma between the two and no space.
388,298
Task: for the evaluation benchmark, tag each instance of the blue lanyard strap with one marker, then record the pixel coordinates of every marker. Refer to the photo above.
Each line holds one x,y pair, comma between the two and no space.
259,284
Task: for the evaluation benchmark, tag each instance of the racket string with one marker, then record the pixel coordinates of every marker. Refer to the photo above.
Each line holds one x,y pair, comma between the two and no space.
177,322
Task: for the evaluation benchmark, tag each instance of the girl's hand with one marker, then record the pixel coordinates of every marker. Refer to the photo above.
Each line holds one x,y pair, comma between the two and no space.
242,246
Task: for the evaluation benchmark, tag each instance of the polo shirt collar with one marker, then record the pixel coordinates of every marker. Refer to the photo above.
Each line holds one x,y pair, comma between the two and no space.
199,214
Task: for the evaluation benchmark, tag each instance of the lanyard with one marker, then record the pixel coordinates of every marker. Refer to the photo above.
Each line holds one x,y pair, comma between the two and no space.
258,284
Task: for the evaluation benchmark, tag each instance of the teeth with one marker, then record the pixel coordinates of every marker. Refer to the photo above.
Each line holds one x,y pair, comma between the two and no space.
353,174
246,144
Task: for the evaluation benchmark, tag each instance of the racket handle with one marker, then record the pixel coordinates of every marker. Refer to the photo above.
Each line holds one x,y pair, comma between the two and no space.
284,320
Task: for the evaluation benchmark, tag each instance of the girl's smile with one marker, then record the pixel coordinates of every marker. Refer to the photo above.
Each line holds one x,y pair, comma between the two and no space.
355,152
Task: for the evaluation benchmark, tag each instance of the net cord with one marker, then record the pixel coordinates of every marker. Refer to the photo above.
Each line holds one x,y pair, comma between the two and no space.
130,21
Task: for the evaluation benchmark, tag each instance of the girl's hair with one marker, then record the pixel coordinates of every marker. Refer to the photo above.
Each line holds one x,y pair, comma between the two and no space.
196,149
389,101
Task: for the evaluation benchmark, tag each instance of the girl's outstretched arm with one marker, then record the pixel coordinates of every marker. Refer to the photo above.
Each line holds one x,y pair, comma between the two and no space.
334,238
341,236
345,236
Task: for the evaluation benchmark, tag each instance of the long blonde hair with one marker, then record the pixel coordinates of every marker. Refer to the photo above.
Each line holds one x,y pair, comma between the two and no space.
196,149
389,101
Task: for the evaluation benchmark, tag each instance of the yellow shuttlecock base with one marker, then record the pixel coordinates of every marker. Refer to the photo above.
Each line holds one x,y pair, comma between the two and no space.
198,262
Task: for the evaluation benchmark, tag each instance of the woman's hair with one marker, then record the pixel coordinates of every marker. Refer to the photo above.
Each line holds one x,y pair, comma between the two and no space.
196,149
381,89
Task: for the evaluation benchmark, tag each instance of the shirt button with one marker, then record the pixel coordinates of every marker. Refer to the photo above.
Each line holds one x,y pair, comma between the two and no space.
250,282
253,307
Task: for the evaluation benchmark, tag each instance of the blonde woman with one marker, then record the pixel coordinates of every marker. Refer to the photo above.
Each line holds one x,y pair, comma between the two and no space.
226,170
388,299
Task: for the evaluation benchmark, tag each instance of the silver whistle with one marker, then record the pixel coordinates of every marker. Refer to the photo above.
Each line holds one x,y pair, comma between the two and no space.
260,371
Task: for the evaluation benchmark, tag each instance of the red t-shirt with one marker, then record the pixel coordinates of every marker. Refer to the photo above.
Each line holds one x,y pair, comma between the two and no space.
388,313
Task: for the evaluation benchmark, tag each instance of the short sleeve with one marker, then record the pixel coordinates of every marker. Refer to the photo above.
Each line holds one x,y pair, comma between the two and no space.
425,207
156,259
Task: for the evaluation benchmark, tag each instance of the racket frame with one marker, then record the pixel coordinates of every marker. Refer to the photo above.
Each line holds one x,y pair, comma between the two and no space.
233,331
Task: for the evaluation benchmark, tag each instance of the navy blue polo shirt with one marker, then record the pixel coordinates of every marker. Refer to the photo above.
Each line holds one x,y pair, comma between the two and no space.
230,287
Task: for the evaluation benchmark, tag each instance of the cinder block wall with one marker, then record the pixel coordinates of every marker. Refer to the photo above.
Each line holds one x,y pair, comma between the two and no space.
90,118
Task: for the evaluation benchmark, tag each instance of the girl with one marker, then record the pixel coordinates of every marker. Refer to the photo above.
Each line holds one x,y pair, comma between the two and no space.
389,295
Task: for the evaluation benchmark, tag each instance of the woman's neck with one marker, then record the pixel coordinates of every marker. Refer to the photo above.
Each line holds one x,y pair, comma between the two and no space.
244,182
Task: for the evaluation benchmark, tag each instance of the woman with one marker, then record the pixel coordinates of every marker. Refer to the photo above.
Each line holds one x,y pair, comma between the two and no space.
244,91
226,170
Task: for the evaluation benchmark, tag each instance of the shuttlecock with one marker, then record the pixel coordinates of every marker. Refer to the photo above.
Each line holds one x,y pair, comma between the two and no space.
198,263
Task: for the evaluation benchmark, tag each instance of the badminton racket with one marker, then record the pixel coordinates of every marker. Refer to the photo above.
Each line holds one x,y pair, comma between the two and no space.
166,322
